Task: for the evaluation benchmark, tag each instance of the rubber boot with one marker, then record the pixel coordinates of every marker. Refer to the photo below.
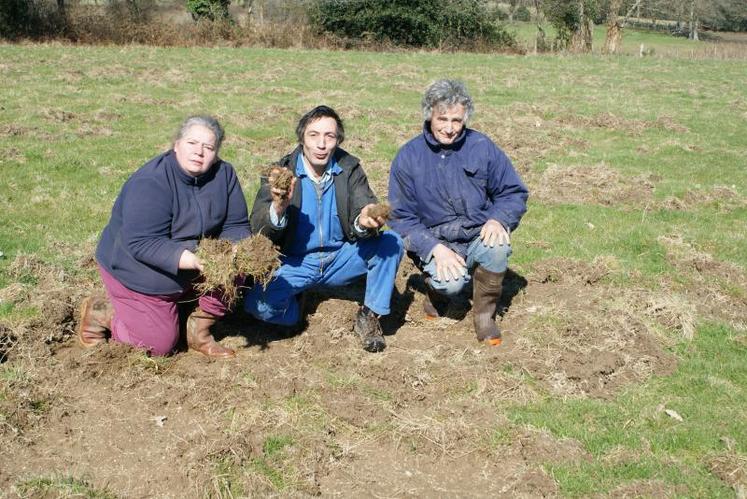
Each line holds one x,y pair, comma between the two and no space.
486,291
368,329
95,322
433,302
201,340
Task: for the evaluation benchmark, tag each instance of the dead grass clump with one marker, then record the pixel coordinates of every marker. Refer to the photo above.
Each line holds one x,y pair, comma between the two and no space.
219,271
680,252
256,256
673,312
223,263
598,184
569,270
721,197
668,123
731,468
381,210
605,120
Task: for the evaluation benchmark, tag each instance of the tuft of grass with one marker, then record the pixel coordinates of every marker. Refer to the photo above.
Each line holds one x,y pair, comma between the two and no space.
60,486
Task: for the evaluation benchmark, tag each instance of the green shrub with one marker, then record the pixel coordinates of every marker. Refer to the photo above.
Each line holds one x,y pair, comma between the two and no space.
208,9
415,23
29,18
522,14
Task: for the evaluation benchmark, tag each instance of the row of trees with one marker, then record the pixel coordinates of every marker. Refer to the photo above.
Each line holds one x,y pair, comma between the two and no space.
420,23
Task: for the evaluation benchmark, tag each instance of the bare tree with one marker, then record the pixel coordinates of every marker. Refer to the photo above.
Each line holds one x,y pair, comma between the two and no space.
615,25
581,35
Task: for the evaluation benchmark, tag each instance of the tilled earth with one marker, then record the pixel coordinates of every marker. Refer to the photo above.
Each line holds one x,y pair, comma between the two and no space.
314,414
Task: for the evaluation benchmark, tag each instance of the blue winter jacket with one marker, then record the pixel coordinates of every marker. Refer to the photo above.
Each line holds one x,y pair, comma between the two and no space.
161,211
445,194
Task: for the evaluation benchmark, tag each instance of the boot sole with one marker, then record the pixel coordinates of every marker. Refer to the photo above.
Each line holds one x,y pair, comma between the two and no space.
83,312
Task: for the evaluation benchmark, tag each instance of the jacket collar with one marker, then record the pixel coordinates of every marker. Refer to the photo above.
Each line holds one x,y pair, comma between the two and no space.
436,145
170,158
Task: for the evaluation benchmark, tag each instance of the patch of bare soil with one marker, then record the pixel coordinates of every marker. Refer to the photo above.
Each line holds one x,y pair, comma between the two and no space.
312,413
598,184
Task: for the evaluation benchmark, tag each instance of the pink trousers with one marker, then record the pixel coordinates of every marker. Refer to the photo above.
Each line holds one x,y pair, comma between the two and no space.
151,322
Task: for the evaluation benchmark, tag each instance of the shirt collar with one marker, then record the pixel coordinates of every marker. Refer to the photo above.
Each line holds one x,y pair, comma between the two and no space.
332,168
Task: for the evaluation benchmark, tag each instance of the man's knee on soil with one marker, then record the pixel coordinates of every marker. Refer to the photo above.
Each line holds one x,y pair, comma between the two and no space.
285,314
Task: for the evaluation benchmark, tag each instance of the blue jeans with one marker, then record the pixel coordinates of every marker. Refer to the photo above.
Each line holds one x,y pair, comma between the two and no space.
376,257
493,259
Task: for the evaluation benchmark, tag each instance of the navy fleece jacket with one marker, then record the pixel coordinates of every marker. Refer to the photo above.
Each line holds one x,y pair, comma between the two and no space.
160,212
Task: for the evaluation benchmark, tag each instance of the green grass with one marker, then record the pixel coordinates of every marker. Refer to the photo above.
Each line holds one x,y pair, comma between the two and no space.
60,486
709,391
61,174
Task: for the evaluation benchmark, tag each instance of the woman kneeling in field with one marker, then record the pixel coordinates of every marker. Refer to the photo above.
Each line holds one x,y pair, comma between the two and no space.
146,253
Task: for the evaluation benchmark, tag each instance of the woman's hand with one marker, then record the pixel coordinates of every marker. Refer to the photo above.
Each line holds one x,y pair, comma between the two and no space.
189,261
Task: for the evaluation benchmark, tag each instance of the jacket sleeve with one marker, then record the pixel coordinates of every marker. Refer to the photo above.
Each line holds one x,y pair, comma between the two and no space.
508,194
146,226
405,219
360,196
260,218
236,225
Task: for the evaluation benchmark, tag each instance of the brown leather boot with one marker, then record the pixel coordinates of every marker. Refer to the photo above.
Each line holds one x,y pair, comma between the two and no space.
96,314
433,302
486,291
201,340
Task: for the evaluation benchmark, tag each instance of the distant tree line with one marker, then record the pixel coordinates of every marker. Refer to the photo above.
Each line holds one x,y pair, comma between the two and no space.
440,24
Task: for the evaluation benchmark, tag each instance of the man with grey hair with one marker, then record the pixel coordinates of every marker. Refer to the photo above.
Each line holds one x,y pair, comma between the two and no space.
455,200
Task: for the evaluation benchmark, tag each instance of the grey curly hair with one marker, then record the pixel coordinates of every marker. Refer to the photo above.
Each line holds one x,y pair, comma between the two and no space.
208,122
446,93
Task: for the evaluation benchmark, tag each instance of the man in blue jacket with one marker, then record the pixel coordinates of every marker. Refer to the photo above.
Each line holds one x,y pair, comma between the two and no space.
455,200
326,230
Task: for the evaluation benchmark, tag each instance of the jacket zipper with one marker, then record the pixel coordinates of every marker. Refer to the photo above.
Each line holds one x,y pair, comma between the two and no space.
319,224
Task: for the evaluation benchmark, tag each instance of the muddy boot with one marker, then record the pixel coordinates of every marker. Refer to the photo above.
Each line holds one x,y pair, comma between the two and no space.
486,291
201,340
96,314
368,329
434,304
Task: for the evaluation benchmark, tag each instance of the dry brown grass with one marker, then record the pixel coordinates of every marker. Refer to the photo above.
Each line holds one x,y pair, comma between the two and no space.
225,263
597,184
257,257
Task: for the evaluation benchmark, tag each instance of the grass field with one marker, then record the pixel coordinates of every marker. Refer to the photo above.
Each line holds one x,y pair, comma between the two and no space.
623,370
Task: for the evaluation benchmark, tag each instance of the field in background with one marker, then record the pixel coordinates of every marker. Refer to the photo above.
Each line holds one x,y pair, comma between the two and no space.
714,45
623,368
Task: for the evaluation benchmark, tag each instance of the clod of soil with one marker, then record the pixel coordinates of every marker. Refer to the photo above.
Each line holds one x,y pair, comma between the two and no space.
278,177
382,210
